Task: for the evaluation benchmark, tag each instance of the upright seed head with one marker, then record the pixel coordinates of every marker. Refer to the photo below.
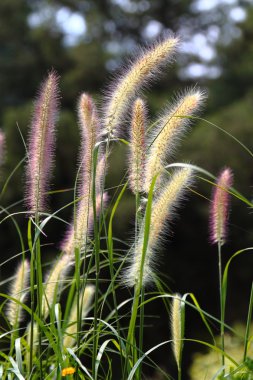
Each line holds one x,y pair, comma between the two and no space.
90,129
140,72
17,291
137,147
172,124
163,206
71,331
89,125
176,327
220,207
41,144
101,170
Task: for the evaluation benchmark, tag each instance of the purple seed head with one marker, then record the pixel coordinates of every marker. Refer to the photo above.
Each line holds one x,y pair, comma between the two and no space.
220,207
41,144
80,228
2,146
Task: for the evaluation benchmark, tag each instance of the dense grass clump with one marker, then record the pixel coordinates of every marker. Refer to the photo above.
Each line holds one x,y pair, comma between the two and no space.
64,318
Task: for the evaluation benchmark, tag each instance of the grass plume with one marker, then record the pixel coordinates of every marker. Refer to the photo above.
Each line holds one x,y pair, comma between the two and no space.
139,73
71,331
53,282
163,206
137,146
89,126
41,144
17,291
172,124
220,207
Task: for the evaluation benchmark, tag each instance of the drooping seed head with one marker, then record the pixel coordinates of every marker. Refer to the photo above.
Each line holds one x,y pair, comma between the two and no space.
171,126
85,301
41,144
139,73
163,207
18,292
220,207
137,147
53,283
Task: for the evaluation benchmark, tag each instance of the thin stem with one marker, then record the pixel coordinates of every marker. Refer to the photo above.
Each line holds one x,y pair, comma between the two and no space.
138,286
141,328
32,282
222,308
97,263
248,324
77,282
39,284
179,373
142,312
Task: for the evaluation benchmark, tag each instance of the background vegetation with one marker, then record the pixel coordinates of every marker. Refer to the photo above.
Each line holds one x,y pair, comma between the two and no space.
85,41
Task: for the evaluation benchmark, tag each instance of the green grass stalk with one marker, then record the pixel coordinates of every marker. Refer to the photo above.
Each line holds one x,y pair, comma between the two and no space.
39,284
246,338
222,308
138,285
97,263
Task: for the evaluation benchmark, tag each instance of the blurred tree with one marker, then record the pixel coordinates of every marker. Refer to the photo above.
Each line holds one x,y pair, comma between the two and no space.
235,61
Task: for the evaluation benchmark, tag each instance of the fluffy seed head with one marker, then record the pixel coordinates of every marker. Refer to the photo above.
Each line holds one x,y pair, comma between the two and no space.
2,146
17,291
41,144
100,173
176,327
78,238
137,147
28,340
71,331
171,126
89,126
220,207
162,208
140,72
53,282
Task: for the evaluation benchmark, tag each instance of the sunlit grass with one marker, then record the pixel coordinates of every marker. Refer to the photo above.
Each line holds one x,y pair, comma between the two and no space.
69,320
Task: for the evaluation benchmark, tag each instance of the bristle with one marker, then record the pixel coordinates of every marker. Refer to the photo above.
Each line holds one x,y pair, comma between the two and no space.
163,206
101,170
71,331
172,124
176,327
137,147
53,283
220,207
137,76
41,144
17,291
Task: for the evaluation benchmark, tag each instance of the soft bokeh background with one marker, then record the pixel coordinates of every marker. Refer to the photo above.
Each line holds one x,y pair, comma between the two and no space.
86,42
